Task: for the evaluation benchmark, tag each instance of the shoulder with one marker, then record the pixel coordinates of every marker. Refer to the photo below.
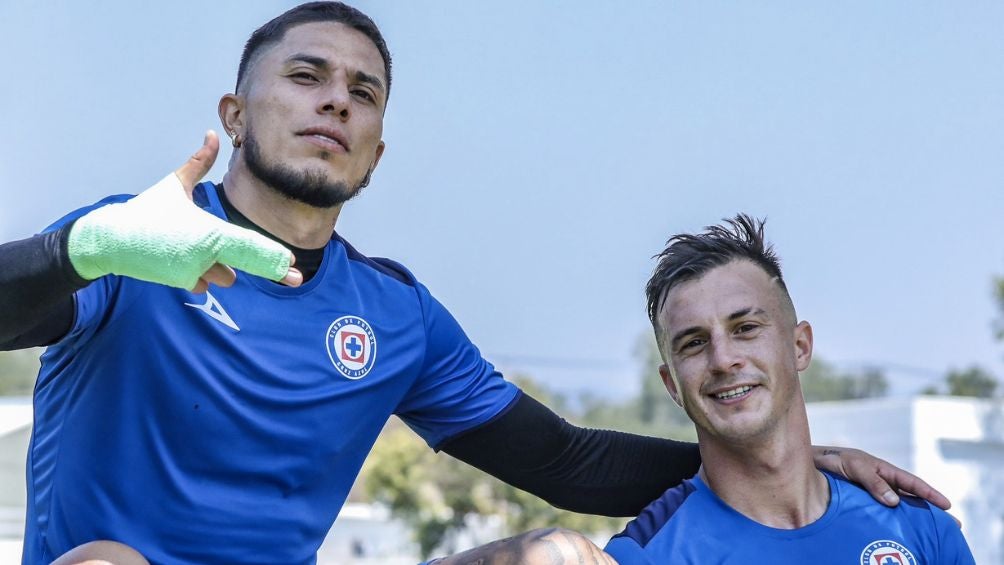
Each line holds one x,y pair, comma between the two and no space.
853,496
113,199
381,265
914,522
659,513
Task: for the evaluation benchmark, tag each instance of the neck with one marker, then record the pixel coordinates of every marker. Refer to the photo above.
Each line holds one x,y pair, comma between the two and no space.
773,482
294,222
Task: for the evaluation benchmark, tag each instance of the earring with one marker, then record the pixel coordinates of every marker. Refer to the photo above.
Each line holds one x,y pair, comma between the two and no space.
235,139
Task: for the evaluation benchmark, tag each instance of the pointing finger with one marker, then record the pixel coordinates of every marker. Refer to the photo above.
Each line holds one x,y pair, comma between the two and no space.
199,164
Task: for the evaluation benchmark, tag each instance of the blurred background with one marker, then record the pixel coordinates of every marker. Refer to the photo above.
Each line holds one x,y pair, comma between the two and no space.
539,154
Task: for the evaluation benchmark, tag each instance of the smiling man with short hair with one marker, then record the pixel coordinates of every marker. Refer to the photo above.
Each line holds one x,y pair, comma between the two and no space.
732,348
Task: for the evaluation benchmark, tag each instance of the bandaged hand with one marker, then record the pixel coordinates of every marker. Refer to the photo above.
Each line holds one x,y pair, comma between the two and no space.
161,236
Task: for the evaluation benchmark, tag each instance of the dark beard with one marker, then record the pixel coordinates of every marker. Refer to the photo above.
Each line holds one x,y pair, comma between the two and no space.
309,187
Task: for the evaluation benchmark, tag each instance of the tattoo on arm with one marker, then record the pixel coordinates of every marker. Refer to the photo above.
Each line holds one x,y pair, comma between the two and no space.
551,546
831,452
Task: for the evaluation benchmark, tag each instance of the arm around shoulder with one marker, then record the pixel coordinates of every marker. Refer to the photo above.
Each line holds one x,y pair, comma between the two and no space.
578,469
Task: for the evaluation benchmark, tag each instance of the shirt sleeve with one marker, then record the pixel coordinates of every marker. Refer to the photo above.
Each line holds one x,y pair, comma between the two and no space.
952,546
456,389
91,302
626,551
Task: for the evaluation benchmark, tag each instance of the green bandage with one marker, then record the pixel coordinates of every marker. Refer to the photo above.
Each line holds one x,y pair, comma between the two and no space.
161,236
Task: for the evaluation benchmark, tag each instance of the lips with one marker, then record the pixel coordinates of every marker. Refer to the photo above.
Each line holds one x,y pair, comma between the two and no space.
327,138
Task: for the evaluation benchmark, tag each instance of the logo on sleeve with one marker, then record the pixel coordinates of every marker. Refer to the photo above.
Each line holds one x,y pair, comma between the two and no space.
885,552
351,346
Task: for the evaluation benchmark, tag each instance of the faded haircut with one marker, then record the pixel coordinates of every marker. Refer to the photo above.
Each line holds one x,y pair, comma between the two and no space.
690,256
273,32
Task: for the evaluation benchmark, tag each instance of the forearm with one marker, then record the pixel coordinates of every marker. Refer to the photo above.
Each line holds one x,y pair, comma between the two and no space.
37,283
579,469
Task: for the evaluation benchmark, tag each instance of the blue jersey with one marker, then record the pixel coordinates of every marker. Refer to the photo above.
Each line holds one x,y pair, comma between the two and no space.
690,524
228,427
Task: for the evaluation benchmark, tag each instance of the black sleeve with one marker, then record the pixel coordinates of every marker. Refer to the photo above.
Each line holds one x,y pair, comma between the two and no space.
37,282
579,469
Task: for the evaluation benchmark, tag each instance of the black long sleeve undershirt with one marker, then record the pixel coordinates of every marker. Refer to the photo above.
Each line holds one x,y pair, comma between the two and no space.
37,282
579,469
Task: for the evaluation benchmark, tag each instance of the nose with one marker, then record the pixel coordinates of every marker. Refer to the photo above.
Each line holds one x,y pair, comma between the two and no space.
336,100
725,356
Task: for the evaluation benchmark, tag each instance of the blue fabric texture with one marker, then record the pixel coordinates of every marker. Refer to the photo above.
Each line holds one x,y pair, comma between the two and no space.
689,524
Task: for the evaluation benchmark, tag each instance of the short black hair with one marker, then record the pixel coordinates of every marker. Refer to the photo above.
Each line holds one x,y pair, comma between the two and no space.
273,31
689,256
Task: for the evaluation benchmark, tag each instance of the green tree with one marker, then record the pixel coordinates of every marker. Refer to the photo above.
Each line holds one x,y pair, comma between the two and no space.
652,412
974,381
822,381
437,495
18,370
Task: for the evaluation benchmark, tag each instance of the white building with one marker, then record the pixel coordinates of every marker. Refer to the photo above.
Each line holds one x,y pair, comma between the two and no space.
955,444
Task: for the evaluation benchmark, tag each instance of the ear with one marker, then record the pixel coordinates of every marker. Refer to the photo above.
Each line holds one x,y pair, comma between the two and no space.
670,384
803,345
379,153
231,110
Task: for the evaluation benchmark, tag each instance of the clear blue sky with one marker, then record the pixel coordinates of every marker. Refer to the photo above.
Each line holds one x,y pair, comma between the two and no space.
538,154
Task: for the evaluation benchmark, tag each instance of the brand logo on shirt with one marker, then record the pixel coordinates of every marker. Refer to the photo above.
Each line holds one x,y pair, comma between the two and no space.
215,311
885,552
351,346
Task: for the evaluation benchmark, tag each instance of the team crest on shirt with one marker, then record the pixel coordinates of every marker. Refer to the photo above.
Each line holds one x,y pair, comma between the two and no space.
352,346
885,552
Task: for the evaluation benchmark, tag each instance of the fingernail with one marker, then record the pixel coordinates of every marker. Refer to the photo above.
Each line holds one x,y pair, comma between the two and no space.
890,497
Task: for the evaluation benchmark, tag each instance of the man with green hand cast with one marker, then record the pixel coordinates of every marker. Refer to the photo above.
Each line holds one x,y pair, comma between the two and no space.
178,423
159,237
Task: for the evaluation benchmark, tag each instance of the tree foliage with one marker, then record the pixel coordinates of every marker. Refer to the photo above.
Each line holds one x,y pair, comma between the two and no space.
651,413
437,495
974,381
822,381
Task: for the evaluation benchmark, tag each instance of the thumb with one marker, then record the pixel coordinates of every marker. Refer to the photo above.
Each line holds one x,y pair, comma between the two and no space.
199,164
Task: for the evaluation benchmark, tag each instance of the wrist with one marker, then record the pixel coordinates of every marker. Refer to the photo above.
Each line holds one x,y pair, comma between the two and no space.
83,246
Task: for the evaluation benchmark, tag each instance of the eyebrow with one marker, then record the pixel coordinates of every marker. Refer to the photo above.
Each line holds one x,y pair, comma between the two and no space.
318,62
741,313
323,65
369,79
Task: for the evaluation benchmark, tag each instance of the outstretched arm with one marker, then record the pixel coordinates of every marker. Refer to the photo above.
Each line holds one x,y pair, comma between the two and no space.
618,474
158,236
579,469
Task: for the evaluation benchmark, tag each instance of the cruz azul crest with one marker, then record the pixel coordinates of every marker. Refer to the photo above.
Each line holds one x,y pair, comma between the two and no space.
885,552
352,346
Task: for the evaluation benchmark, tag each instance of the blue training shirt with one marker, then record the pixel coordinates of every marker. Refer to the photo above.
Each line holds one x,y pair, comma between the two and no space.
228,427
691,524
